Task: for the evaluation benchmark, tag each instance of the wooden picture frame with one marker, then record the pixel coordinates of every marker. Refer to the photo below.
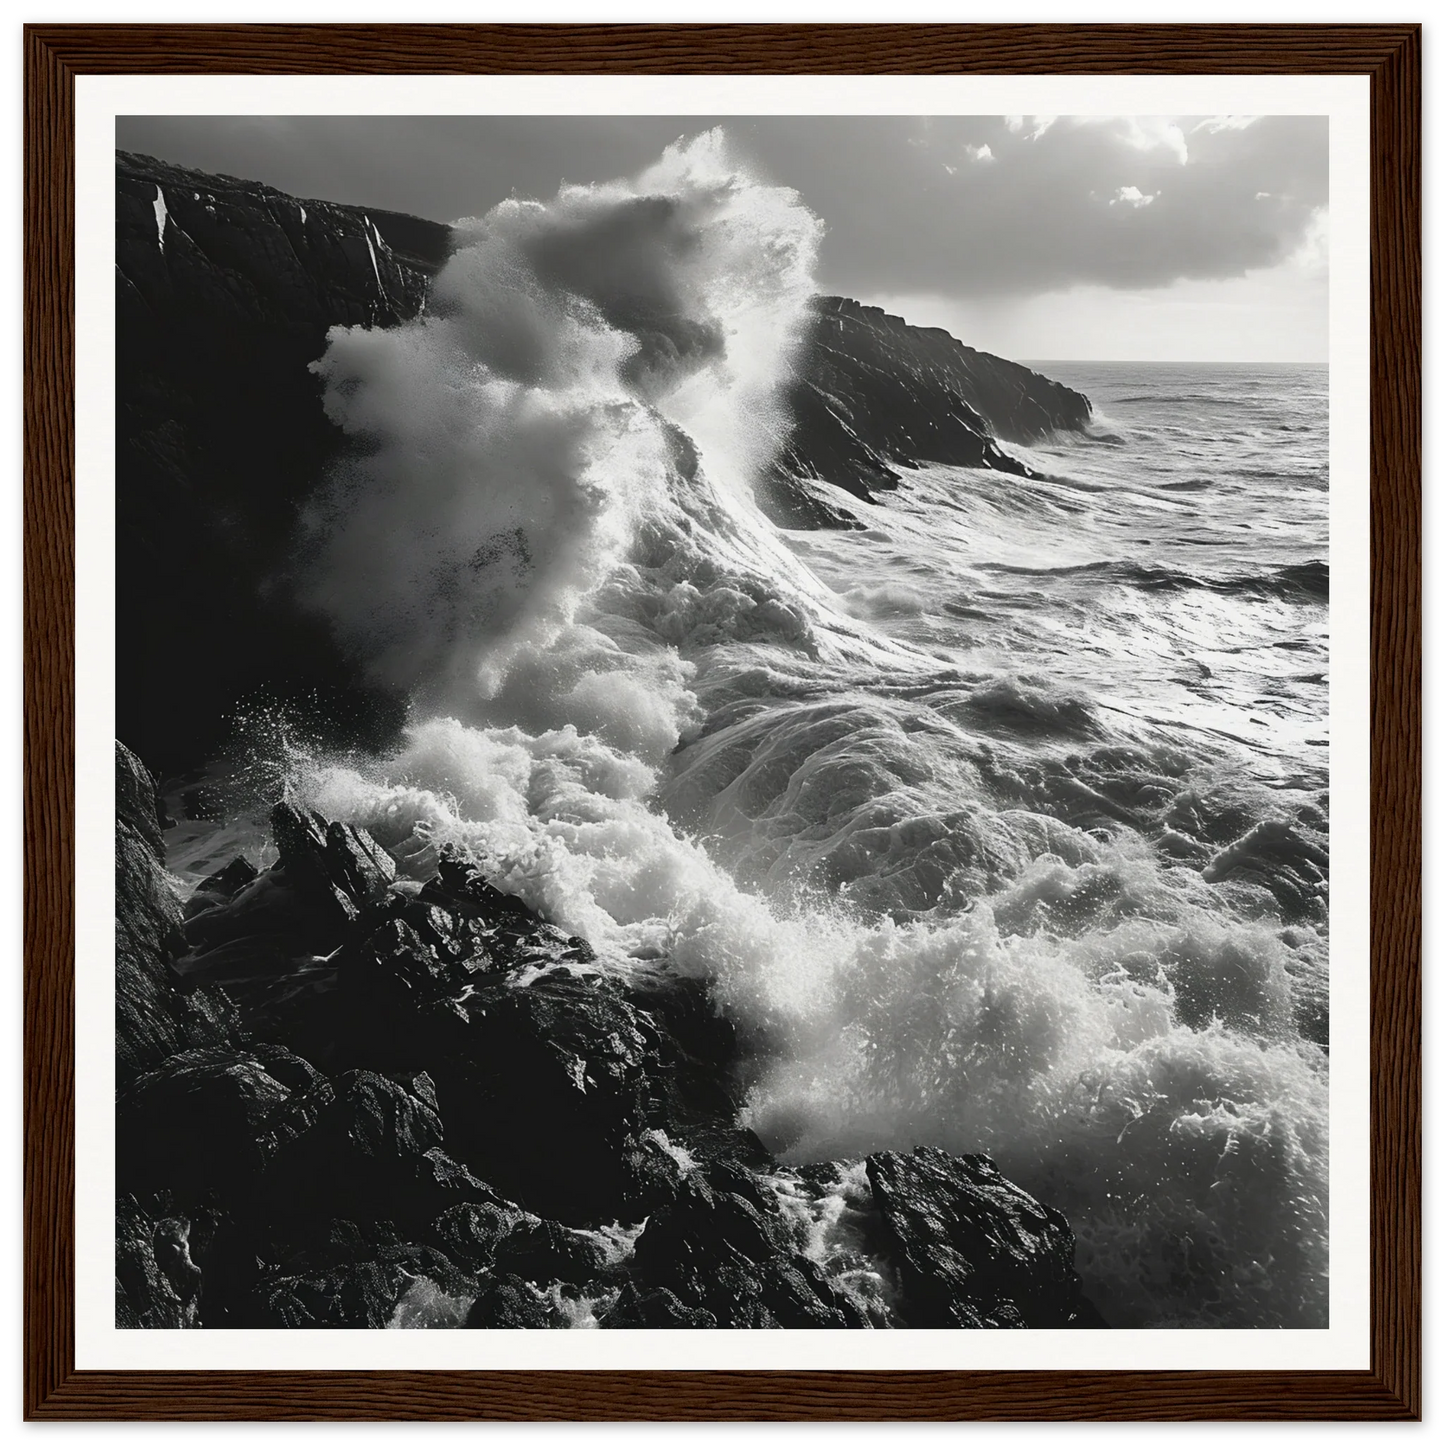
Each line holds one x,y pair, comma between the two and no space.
55,1389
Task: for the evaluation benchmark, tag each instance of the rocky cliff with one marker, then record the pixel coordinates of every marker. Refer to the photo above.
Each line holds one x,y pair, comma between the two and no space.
873,394
225,292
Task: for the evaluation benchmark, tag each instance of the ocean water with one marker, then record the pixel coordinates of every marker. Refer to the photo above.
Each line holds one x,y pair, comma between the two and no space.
1001,824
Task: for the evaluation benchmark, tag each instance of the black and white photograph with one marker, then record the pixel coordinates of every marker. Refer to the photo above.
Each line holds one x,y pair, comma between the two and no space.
722,722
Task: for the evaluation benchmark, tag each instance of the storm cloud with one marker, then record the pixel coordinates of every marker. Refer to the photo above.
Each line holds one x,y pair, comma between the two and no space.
967,206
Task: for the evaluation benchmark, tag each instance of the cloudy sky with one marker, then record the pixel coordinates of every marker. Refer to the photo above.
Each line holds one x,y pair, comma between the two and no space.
1038,237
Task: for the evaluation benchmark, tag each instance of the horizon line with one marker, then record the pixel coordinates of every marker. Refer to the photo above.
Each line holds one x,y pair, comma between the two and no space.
1163,361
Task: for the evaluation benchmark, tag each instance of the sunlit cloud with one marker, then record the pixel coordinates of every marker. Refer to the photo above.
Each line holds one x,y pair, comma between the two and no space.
1215,123
1132,196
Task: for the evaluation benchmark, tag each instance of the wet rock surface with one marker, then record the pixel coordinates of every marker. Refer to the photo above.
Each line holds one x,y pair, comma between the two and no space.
157,1284
727,1253
971,1249
364,1292
355,1100
657,1309
153,1018
225,291
873,393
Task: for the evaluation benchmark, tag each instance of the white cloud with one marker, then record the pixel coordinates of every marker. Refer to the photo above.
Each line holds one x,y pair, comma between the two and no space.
981,153
1142,133
1132,196
1036,126
1154,132
1312,258
1212,124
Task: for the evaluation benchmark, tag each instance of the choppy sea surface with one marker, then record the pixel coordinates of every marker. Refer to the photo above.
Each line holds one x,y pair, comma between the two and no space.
1001,824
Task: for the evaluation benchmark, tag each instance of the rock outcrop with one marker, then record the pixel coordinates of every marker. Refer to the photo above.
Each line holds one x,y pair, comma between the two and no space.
872,394
726,1253
972,1249
411,1102
153,1019
225,290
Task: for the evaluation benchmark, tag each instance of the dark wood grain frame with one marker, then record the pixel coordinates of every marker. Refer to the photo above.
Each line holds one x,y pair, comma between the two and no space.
55,1389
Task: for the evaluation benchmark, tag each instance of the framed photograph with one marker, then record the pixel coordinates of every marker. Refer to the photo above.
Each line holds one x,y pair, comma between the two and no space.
737,704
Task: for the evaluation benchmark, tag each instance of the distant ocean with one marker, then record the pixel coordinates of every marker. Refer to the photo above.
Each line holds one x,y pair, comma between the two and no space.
1000,825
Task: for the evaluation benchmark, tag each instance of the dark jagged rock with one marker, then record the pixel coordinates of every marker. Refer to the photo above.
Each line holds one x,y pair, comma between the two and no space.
331,869
699,1057
549,1085
209,1121
971,1249
269,938
250,959
656,1309
286,995
152,1018
311,915
419,953
324,878
225,290
547,1088
734,1258
872,393
360,1294
793,495
460,885
137,804
157,1284
1017,403
374,1153
461,888
357,863
472,1232
726,1143
225,1245
451,948
266,1133
652,1174
304,1272
544,1251
509,1303
394,969
406,955
337,856
221,886
304,918
225,1239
